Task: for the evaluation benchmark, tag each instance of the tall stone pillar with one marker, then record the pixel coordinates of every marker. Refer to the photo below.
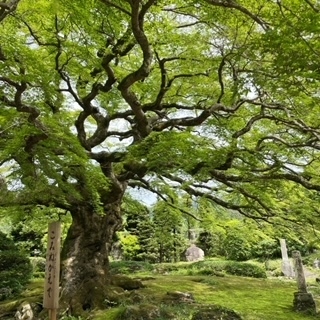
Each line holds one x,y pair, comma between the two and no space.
286,266
303,300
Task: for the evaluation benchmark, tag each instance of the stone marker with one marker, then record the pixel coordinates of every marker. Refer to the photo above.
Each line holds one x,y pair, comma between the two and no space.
316,263
24,312
194,253
286,266
302,301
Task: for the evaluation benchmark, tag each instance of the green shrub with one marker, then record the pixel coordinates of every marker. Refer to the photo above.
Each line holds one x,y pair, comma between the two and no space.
27,239
127,267
272,265
275,273
39,275
217,266
210,272
38,264
15,268
245,269
210,243
266,249
129,244
237,247
220,267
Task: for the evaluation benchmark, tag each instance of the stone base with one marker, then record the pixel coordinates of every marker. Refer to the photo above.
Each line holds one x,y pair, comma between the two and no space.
304,302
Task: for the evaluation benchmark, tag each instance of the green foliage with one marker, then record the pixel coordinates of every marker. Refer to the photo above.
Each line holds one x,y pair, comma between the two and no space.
140,225
129,244
218,268
245,269
213,268
266,249
15,268
236,246
27,239
210,243
156,236
166,152
38,264
228,234
128,267
222,108
169,235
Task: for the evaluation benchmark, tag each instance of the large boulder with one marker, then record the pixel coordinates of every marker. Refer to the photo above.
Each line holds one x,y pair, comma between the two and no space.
194,253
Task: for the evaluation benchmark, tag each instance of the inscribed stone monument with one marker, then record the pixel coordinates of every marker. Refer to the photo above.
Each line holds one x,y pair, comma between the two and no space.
286,266
316,264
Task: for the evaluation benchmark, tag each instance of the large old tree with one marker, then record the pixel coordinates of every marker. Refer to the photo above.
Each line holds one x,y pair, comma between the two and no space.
215,98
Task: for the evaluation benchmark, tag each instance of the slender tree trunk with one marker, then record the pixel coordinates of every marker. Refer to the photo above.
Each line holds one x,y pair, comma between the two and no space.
85,263
174,245
160,253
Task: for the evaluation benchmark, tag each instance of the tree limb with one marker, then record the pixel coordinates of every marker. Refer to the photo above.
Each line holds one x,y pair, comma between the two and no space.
234,5
7,8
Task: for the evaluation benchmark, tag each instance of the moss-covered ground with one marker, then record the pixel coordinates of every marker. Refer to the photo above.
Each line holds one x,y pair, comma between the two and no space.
253,299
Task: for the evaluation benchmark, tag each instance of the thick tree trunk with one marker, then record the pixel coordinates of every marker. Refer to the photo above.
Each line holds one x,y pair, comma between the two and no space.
84,276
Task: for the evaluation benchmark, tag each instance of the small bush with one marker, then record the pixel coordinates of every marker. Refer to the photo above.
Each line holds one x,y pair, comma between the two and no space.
127,267
275,273
266,249
272,265
210,272
245,269
38,264
15,268
216,268
217,265
210,243
168,268
27,239
219,268
39,275
237,247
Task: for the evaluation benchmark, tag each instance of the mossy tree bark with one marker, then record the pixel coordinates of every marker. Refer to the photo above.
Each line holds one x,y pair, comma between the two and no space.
84,276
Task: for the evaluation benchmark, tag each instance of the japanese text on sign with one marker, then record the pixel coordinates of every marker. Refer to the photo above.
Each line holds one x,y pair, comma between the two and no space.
51,289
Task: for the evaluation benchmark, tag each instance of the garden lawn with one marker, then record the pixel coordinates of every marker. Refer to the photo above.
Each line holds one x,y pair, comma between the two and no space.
253,299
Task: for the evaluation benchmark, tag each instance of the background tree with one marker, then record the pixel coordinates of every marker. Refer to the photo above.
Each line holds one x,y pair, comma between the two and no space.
170,237
95,100
7,7
139,223
27,239
15,267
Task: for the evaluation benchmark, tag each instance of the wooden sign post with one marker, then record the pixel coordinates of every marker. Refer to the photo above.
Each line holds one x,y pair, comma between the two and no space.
51,285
